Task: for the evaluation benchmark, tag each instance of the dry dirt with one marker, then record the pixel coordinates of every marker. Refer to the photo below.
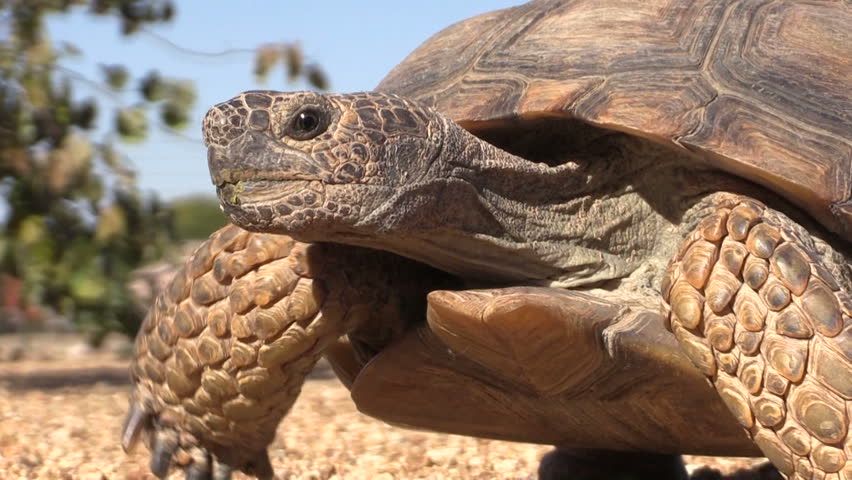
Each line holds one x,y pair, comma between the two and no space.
61,408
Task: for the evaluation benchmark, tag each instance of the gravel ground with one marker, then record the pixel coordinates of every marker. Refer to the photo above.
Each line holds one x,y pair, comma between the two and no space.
60,416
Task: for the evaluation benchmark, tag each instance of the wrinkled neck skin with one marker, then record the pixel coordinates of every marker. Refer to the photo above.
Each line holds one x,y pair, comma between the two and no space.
482,213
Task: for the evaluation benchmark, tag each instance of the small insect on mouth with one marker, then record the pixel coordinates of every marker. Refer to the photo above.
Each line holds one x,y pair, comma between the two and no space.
230,192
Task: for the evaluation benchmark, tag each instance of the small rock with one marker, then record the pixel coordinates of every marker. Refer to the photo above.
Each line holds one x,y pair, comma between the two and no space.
117,344
12,353
442,456
312,475
506,466
78,350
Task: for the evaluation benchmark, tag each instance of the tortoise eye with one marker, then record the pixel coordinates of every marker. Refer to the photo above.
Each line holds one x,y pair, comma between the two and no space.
307,123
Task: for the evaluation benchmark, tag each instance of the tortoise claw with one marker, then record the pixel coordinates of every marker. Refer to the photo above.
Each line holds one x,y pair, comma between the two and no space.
221,471
194,472
137,419
201,466
164,446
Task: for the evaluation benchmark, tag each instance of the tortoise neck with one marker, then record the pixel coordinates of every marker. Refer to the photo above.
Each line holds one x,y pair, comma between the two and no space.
482,212
584,218
577,216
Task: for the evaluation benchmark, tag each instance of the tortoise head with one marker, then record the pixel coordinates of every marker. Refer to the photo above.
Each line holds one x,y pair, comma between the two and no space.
312,165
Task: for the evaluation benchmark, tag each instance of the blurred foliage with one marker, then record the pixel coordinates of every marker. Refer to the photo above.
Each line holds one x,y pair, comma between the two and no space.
267,57
77,225
196,217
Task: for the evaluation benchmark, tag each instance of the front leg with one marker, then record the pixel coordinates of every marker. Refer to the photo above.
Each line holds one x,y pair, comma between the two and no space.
552,366
223,353
763,310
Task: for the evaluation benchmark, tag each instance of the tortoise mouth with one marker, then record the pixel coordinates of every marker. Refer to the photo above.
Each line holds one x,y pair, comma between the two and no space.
256,191
272,204
309,210
255,157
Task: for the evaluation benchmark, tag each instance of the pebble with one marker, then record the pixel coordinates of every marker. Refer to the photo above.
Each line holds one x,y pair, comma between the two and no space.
442,456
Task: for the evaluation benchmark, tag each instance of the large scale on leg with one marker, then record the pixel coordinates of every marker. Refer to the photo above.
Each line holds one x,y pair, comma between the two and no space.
756,311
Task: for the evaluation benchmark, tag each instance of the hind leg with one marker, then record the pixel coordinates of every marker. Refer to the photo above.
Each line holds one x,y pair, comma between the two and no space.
582,464
763,309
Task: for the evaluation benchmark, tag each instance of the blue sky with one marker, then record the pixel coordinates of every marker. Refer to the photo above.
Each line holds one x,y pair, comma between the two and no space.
356,43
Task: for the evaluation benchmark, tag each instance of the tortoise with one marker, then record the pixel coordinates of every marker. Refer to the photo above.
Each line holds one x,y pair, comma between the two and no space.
603,210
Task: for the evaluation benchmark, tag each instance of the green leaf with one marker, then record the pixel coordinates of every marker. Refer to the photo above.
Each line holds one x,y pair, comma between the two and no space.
181,93
132,124
84,113
294,60
31,230
116,76
110,156
112,224
92,190
41,53
174,115
265,58
101,7
316,77
168,12
68,164
152,86
88,286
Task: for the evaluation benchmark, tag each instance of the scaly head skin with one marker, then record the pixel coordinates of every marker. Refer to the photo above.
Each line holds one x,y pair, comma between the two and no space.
384,172
311,164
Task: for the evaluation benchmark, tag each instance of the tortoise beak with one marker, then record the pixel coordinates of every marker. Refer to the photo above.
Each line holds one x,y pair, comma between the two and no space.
257,157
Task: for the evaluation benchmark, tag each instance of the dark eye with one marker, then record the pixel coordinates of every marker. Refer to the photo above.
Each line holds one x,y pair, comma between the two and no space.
307,123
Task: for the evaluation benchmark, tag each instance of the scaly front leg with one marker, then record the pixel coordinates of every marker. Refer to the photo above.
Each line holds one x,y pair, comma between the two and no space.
223,354
763,309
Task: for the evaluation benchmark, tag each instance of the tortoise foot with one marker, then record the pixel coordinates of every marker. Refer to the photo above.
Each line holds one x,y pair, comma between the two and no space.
223,352
763,310
579,464
171,446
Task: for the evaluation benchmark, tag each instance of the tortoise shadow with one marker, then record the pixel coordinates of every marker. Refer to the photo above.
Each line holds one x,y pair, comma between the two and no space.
58,378
764,471
53,379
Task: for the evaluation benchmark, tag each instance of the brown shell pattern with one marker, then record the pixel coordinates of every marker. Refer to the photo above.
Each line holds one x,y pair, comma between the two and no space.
761,89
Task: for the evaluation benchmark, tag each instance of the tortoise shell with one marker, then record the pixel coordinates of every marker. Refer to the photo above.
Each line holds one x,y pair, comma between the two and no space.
758,89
